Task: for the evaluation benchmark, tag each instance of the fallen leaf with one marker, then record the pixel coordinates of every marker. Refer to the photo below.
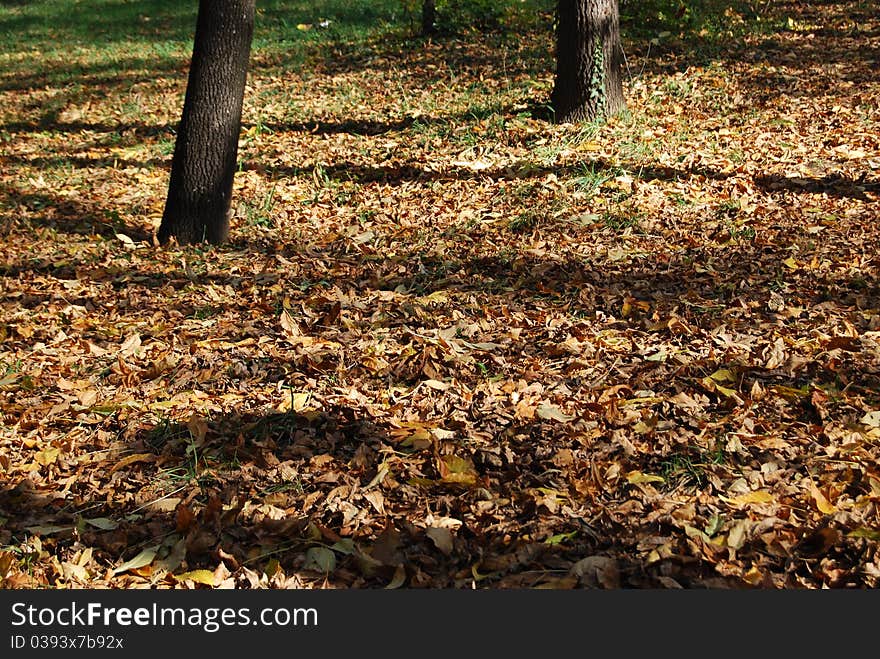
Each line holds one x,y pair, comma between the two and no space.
386,549
289,325
398,579
175,557
597,571
825,507
131,459
442,539
636,477
864,532
47,456
736,538
871,419
320,559
47,529
553,413
758,496
144,558
205,577
436,384
103,523
130,345
455,469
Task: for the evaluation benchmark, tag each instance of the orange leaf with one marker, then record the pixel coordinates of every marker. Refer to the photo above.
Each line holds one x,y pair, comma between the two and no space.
131,459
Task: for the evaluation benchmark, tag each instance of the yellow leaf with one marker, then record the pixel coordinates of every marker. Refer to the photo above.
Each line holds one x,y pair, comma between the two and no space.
730,393
659,356
723,375
304,26
454,469
754,576
636,477
9,379
641,428
693,532
476,575
296,401
205,577
758,496
790,263
47,456
824,506
163,405
7,560
864,532
437,297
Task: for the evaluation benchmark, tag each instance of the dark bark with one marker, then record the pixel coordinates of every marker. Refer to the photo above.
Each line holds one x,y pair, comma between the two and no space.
589,59
429,17
206,150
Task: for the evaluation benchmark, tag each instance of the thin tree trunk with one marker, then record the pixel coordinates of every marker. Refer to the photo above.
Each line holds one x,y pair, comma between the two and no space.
589,59
429,17
206,150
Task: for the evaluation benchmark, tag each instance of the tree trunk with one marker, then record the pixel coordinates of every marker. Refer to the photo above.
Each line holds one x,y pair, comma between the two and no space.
429,17
206,150
589,57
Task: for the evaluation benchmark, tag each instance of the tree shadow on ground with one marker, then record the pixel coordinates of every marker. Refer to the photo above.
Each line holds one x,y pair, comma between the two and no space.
247,489
67,215
135,133
401,173
83,162
833,185
109,75
131,132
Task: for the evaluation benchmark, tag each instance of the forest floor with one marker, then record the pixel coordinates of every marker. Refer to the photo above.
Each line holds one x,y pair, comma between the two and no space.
451,344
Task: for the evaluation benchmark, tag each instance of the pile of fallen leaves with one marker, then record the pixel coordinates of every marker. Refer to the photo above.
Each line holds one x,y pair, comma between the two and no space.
451,344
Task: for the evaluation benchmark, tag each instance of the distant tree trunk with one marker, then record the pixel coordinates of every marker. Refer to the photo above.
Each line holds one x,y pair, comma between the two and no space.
206,150
429,17
589,58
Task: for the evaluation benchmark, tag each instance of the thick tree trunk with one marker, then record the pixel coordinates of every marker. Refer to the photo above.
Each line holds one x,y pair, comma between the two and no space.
589,59
206,151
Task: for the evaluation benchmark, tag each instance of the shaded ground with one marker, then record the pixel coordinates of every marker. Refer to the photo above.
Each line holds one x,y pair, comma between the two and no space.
453,345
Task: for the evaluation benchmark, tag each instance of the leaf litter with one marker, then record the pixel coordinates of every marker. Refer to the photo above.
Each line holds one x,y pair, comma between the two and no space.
452,347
